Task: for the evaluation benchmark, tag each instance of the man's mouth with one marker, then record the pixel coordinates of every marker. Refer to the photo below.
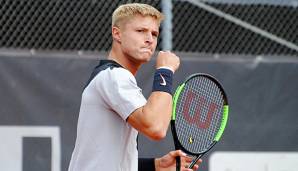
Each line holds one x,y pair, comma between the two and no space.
146,50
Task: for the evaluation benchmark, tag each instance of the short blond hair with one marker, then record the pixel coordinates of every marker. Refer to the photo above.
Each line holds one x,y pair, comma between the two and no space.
124,12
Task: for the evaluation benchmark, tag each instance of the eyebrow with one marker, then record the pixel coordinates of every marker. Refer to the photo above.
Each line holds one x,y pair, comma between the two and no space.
145,28
156,32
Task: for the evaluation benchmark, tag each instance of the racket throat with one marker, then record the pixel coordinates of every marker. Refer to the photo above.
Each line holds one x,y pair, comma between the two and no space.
201,155
195,161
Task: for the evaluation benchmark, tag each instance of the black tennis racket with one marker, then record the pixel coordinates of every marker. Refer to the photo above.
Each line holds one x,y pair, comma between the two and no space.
200,114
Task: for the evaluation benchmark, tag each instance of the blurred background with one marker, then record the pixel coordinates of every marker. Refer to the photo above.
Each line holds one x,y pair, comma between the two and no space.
49,47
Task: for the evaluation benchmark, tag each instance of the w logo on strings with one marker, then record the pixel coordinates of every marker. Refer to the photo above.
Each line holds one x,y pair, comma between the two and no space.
200,114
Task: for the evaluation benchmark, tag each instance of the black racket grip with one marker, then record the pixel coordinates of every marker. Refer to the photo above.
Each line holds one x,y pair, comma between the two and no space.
178,163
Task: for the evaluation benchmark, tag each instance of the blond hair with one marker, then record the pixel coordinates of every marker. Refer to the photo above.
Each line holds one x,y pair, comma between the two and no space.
124,12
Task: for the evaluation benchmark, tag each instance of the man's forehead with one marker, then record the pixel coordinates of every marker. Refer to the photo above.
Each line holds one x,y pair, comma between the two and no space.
143,21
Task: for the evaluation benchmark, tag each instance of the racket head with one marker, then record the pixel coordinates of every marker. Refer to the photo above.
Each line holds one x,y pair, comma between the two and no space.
200,114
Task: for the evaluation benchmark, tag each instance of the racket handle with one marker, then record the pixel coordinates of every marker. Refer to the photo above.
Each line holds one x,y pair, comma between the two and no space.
178,163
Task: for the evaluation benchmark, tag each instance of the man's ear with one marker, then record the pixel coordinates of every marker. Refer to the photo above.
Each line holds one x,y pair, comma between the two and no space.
116,34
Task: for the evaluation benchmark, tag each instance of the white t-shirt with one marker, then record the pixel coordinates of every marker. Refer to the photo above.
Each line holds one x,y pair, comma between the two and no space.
105,141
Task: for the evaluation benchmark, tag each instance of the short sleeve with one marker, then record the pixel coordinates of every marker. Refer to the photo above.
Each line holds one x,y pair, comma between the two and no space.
120,91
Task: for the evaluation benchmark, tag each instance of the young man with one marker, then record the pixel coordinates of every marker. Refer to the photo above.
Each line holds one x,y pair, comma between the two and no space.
113,108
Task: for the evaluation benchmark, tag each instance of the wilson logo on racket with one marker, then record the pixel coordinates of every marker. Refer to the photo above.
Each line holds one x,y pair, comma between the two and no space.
196,118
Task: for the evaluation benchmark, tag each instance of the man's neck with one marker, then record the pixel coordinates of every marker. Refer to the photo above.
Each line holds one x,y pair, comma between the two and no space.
124,61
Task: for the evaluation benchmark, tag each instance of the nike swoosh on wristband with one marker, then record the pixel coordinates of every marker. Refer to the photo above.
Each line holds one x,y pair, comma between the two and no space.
163,83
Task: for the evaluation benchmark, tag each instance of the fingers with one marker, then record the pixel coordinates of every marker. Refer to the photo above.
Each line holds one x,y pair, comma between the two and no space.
177,153
186,161
195,167
185,168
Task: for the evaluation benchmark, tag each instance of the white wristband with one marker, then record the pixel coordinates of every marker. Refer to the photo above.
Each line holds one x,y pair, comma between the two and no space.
166,67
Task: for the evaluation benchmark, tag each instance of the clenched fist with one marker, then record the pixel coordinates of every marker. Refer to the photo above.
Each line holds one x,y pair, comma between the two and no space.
168,60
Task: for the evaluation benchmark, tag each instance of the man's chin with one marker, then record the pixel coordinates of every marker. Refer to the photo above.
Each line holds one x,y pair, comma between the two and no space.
145,58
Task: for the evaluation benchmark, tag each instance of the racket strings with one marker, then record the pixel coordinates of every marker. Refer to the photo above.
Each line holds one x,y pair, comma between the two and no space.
211,96
200,97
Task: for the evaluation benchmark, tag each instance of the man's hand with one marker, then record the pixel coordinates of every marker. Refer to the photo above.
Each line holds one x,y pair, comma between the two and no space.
167,59
168,162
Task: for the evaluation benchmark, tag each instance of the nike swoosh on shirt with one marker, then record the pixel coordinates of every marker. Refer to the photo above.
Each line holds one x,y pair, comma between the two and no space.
163,83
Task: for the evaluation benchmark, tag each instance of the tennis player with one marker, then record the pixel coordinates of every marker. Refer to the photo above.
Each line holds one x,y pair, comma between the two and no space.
113,108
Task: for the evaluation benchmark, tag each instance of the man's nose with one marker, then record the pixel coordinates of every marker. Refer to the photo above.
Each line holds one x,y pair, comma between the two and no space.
149,38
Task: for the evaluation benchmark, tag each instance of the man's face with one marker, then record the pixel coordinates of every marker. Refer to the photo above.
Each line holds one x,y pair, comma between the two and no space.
138,37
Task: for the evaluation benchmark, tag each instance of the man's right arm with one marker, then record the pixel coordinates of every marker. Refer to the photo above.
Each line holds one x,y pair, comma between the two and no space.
153,118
